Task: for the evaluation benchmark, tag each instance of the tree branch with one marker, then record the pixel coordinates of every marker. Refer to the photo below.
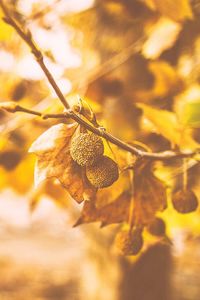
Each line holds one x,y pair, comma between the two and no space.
27,37
12,107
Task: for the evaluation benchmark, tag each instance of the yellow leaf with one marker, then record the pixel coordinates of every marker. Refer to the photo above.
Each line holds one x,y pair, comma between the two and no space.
20,179
166,79
166,123
166,82
177,10
162,36
5,29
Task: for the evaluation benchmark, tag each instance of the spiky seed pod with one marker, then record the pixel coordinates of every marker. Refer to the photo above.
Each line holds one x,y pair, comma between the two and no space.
129,243
157,227
86,149
104,173
185,201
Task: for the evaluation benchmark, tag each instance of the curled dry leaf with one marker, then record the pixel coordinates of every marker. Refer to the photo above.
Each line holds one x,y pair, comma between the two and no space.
114,212
149,198
53,151
149,195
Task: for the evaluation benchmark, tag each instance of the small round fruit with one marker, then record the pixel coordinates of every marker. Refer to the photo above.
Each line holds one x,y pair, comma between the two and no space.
129,243
86,149
185,201
157,227
104,173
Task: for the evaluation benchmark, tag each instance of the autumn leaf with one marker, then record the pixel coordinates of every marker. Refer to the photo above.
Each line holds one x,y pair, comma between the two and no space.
166,80
114,212
162,35
149,195
54,161
5,30
191,114
20,178
166,123
176,10
149,198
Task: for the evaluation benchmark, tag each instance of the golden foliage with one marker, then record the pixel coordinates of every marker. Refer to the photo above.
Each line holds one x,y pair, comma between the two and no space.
174,131
176,10
146,52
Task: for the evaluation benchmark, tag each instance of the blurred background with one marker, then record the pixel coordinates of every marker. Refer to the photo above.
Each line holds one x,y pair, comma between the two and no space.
115,54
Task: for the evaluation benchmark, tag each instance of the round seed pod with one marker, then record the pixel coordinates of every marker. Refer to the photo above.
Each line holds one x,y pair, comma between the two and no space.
157,227
86,149
185,201
129,243
104,173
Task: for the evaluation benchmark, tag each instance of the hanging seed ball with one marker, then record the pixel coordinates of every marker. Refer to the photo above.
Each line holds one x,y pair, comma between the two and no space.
129,243
86,149
103,173
185,201
157,227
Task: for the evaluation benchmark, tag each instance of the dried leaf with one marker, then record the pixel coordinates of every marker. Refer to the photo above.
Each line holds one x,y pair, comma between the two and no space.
149,198
106,196
114,212
149,195
54,160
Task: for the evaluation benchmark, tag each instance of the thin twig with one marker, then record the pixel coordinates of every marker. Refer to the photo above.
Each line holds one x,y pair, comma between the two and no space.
185,174
12,107
27,37
131,207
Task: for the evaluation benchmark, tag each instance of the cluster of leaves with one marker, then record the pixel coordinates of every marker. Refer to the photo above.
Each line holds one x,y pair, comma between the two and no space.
138,208
149,96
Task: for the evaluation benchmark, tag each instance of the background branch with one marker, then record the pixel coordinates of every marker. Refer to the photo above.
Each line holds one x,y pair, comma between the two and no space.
26,35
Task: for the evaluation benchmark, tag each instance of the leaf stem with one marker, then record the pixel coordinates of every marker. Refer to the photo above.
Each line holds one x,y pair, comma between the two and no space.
131,207
185,174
